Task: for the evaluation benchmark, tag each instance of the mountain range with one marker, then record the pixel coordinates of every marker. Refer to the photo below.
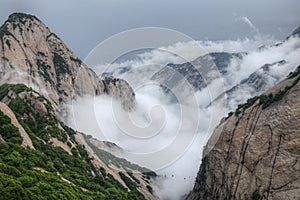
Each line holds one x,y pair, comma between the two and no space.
252,154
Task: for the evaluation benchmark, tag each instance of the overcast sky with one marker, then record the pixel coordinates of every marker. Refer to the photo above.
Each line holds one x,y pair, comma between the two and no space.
83,24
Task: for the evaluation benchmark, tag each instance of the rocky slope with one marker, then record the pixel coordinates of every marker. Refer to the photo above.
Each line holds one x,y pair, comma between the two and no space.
255,153
193,71
30,129
253,85
33,55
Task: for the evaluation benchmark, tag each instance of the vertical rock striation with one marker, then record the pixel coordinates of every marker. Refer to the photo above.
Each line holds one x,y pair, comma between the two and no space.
256,155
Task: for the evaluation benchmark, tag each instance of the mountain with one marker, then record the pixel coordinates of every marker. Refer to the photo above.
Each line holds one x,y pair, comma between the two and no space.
254,153
264,66
257,82
245,75
296,32
35,56
41,157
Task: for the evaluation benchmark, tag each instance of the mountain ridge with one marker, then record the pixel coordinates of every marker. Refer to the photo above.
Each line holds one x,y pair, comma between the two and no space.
29,125
39,76
253,153
37,57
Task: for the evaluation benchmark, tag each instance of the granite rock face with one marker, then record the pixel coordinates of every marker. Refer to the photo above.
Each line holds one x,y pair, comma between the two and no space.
254,154
120,90
31,54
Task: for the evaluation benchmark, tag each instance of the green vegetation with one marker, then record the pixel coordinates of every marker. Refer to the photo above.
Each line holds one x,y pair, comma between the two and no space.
48,172
109,158
43,70
130,184
39,53
133,177
8,43
21,179
15,19
60,64
17,88
76,60
4,31
267,100
295,73
5,59
71,133
149,174
8,131
256,195
149,188
134,193
43,126
21,17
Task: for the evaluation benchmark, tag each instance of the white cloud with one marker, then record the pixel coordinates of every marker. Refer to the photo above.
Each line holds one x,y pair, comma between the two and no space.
184,169
247,21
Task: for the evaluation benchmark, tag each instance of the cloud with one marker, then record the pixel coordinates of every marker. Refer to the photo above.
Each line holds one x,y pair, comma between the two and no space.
104,119
247,21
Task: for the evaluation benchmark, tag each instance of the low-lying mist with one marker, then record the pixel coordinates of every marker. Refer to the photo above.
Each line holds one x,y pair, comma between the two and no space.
168,135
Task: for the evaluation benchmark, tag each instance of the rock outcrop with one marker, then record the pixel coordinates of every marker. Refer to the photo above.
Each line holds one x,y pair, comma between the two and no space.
120,90
33,55
255,153
8,112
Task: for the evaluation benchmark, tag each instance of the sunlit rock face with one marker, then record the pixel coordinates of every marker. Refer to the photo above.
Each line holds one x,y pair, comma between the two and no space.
33,55
257,153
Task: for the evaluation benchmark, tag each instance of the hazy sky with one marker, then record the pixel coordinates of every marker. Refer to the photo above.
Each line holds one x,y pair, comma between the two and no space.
83,24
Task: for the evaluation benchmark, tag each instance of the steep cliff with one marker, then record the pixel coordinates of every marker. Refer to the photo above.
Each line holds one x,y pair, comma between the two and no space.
121,90
40,75
254,153
33,55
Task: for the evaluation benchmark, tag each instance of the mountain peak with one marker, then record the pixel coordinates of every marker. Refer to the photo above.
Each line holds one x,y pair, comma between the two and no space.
36,57
25,28
21,17
16,19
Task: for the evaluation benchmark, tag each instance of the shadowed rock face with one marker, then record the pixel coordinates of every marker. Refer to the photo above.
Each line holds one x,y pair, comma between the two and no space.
120,90
256,155
31,54
296,32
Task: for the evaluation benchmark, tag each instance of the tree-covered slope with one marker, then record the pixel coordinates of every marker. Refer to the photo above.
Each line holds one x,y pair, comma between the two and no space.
57,166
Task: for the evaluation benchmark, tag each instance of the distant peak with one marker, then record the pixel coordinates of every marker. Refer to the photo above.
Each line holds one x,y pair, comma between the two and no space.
296,31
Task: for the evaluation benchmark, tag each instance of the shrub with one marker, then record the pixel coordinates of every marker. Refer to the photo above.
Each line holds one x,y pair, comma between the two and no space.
60,64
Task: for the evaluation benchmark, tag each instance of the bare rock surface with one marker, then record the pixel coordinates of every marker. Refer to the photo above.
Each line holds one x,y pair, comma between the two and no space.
255,153
26,139
31,54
